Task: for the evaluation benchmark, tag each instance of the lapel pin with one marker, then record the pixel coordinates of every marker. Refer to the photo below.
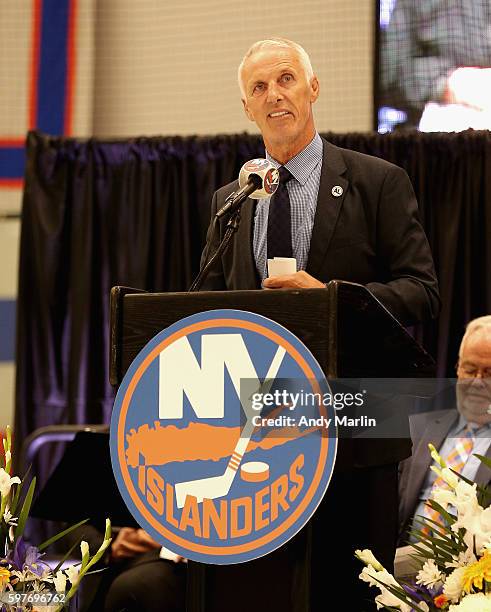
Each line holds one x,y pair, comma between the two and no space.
337,191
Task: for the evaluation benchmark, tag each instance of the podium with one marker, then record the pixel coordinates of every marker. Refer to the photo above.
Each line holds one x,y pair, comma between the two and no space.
352,335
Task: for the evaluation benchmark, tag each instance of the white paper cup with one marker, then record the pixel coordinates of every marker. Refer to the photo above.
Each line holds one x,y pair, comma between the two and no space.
281,265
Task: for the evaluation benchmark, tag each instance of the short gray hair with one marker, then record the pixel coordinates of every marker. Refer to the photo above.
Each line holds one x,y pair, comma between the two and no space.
474,326
284,43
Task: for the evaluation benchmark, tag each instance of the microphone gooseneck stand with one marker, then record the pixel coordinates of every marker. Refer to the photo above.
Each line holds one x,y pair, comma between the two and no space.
232,226
232,207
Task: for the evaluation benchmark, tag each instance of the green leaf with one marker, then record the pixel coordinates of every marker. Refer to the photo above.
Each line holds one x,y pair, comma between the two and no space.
26,506
96,571
436,544
483,459
59,535
58,567
98,555
450,518
430,554
442,538
18,490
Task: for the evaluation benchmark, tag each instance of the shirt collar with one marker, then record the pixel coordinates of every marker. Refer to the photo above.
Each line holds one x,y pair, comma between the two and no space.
304,163
462,424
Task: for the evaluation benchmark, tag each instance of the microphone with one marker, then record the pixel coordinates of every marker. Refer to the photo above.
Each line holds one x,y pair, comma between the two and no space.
258,178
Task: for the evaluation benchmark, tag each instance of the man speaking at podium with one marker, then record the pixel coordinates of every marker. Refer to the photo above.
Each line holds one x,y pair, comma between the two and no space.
342,215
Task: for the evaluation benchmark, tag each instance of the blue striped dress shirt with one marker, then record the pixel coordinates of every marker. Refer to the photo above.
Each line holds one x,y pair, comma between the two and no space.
303,189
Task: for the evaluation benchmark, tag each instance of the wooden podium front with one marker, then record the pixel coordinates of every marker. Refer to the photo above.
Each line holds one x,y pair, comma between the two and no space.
351,335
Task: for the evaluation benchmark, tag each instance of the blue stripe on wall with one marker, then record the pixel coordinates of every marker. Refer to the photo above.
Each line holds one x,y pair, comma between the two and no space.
12,162
7,330
52,66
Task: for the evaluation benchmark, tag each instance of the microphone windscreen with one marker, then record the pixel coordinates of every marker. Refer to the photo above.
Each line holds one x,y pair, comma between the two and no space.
268,174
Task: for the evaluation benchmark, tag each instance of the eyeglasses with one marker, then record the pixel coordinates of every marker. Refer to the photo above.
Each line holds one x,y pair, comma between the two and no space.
469,370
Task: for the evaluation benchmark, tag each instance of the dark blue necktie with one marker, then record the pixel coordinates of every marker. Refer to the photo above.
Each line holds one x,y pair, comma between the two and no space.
279,219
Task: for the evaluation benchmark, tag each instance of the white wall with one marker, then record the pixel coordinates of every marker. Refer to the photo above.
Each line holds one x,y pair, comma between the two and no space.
170,67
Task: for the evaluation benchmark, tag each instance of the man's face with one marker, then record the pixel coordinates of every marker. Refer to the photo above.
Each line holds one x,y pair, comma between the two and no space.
278,98
474,391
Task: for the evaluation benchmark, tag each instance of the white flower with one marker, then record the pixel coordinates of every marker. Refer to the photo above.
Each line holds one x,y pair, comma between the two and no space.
450,478
6,482
60,581
72,573
368,558
372,576
476,602
454,584
84,547
467,557
467,506
386,600
466,494
375,577
444,497
429,575
480,529
8,518
47,574
368,575
38,586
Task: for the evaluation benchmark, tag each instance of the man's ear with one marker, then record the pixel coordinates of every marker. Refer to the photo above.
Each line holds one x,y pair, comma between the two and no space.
247,111
314,89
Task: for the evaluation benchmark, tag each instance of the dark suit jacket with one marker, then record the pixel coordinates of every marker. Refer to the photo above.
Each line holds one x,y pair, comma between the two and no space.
370,235
425,428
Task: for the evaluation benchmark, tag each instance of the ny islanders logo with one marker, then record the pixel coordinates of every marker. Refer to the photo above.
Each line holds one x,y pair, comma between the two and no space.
271,180
220,442
256,165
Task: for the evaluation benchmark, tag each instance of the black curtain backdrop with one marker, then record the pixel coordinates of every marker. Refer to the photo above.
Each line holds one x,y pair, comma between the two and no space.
135,212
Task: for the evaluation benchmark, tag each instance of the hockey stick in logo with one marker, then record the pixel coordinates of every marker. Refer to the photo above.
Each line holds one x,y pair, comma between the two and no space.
218,486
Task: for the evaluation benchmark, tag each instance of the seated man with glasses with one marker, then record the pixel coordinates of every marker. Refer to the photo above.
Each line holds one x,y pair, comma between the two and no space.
457,434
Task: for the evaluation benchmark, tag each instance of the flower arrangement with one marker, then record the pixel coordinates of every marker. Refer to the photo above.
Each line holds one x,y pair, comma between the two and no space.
26,581
454,555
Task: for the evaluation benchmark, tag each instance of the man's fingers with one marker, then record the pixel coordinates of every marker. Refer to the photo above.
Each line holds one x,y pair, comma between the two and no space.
134,548
146,539
125,532
299,280
128,549
276,282
131,542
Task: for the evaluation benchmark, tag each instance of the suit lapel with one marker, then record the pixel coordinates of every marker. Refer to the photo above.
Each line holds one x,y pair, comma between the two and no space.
244,262
328,205
435,432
